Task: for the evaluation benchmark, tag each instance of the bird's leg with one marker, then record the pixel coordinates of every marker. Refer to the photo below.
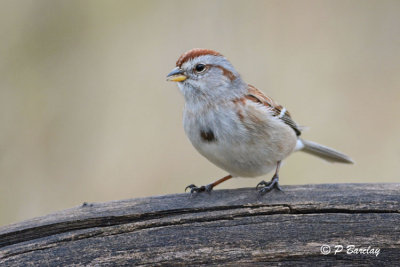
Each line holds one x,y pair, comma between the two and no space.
274,183
207,188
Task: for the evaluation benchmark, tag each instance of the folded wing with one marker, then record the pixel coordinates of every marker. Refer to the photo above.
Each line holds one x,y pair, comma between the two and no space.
279,111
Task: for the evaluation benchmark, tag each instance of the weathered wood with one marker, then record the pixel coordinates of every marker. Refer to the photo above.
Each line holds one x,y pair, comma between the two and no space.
226,227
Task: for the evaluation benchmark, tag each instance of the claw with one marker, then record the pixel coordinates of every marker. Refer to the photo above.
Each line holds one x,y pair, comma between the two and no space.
262,183
189,186
274,183
195,189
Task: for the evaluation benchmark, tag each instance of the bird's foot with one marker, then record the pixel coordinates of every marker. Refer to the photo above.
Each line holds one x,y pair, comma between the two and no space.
194,189
264,187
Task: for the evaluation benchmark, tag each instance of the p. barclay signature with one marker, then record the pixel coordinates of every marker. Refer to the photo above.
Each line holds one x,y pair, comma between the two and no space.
350,249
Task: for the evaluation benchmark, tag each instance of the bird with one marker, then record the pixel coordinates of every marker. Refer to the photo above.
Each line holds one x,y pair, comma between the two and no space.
236,126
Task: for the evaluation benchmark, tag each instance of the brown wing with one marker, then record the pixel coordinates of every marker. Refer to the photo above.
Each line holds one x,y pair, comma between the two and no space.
278,110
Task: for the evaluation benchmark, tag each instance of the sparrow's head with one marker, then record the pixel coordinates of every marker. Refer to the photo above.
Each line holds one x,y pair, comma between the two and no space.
206,74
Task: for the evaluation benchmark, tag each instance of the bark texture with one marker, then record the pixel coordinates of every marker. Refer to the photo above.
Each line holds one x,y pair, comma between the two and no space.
226,227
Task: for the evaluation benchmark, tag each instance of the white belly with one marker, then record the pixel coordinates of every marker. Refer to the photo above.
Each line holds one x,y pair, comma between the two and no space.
247,146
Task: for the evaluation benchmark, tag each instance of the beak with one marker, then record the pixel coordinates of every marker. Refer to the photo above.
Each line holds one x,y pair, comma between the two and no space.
176,75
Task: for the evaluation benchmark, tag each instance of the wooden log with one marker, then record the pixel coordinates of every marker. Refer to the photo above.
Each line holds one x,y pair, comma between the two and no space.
226,227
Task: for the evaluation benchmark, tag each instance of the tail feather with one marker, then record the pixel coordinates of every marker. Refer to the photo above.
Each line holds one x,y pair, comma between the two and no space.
324,152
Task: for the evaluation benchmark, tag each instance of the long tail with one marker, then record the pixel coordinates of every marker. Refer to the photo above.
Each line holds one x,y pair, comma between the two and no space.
321,151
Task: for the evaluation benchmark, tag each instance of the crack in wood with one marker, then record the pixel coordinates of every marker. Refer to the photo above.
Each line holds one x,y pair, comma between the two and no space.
48,230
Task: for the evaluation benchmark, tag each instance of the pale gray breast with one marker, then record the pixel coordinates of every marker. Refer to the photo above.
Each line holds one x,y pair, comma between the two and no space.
245,142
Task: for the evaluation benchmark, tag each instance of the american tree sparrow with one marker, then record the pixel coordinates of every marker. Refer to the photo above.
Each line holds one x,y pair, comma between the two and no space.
234,125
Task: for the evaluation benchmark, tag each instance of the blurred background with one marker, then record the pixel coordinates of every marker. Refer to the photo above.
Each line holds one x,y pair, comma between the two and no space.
86,113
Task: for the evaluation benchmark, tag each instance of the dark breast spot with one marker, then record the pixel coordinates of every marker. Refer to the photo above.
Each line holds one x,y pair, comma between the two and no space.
207,136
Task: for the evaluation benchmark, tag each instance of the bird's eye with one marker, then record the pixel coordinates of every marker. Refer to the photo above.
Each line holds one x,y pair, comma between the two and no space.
200,68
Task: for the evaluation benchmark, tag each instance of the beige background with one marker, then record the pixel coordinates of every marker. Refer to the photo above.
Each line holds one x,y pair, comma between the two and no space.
86,113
